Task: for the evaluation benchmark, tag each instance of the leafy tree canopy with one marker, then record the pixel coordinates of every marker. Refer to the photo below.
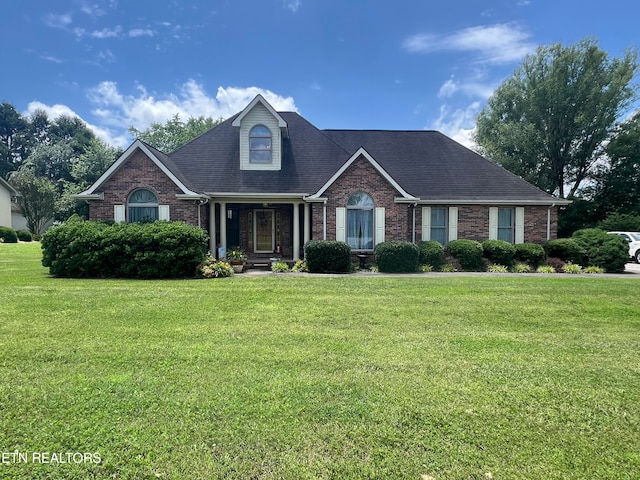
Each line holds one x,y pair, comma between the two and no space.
174,133
550,121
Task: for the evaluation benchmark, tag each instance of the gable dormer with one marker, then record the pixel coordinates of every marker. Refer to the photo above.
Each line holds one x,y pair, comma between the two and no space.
261,131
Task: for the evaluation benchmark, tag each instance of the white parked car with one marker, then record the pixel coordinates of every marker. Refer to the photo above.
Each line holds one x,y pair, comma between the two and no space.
634,243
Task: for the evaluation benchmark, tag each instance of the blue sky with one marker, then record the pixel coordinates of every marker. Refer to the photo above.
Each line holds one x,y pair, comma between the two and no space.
403,64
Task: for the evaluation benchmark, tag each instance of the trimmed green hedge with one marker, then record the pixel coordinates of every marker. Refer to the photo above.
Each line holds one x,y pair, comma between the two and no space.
24,235
397,257
468,253
137,250
499,251
327,256
566,249
431,253
8,235
610,252
530,253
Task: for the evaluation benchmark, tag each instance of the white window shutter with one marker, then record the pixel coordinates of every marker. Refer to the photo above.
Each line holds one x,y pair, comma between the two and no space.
341,224
118,213
493,223
163,212
453,223
379,223
519,225
426,223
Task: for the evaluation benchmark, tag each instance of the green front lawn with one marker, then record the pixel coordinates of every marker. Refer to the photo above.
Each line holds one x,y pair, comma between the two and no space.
287,377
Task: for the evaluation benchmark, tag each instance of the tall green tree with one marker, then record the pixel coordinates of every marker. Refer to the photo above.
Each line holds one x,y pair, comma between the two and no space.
550,121
37,198
174,133
13,139
618,186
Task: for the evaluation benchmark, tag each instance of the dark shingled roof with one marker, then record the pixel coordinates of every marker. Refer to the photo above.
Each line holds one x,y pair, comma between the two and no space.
426,164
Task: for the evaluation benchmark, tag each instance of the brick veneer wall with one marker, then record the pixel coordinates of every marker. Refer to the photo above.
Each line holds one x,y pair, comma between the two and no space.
140,172
361,176
473,222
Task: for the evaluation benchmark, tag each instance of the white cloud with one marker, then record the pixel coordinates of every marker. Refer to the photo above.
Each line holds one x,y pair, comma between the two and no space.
292,5
118,111
500,43
458,124
470,88
91,10
57,21
140,32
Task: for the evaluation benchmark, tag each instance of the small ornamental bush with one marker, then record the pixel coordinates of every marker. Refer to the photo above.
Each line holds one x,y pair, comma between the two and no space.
610,252
448,268
499,251
426,268
468,253
556,263
566,249
521,268
8,235
572,268
431,253
24,235
497,268
397,257
82,249
300,266
529,253
594,270
545,269
328,256
212,268
280,267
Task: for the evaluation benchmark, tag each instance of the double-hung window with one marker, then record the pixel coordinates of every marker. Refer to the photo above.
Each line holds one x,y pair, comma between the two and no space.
439,224
506,224
260,144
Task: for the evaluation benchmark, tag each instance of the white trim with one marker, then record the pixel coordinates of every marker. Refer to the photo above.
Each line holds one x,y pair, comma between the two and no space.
122,159
519,233
493,223
453,223
426,224
163,212
422,201
362,152
119,213
379,225
341,224
259,99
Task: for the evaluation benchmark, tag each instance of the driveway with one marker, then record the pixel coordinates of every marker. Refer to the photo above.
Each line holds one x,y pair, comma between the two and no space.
632,268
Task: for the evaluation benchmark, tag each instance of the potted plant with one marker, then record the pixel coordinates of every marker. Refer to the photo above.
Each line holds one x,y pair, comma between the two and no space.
236,259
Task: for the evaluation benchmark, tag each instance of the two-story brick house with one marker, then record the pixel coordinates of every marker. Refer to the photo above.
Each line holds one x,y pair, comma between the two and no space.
265,180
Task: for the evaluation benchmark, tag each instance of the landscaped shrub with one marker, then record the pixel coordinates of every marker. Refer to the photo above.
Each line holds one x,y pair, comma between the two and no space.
530,253
431,253
566,249
300,266
521,268
499,251
8,235
24,235
397,257
135,250
497,268
280,267
556,263
545,269
212,268
572,268
621,221
328,256
468,253
610,252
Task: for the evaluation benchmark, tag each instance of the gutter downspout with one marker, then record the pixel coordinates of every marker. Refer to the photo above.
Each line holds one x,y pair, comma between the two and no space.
549,221
413,231
200,203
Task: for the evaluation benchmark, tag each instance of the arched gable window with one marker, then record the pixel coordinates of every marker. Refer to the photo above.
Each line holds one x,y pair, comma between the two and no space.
260,144
360,228
142,206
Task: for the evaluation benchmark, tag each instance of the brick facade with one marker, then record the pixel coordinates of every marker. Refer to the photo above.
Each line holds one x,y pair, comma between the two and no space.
141,172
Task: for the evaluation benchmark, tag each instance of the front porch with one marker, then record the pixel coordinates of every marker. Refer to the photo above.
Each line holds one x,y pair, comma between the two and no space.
261,229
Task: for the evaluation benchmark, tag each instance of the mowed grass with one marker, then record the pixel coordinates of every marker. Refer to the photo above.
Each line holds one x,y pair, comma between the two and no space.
349,377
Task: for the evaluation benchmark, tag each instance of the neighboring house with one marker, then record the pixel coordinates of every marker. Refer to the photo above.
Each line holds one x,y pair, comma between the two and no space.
270,181
7,193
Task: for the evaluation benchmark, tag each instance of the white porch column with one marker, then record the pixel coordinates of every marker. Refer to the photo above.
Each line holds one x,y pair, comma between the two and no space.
307,223
212,228
296,231
223,224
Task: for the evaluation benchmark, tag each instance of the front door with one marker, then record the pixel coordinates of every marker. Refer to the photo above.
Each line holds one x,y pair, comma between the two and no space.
264,231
